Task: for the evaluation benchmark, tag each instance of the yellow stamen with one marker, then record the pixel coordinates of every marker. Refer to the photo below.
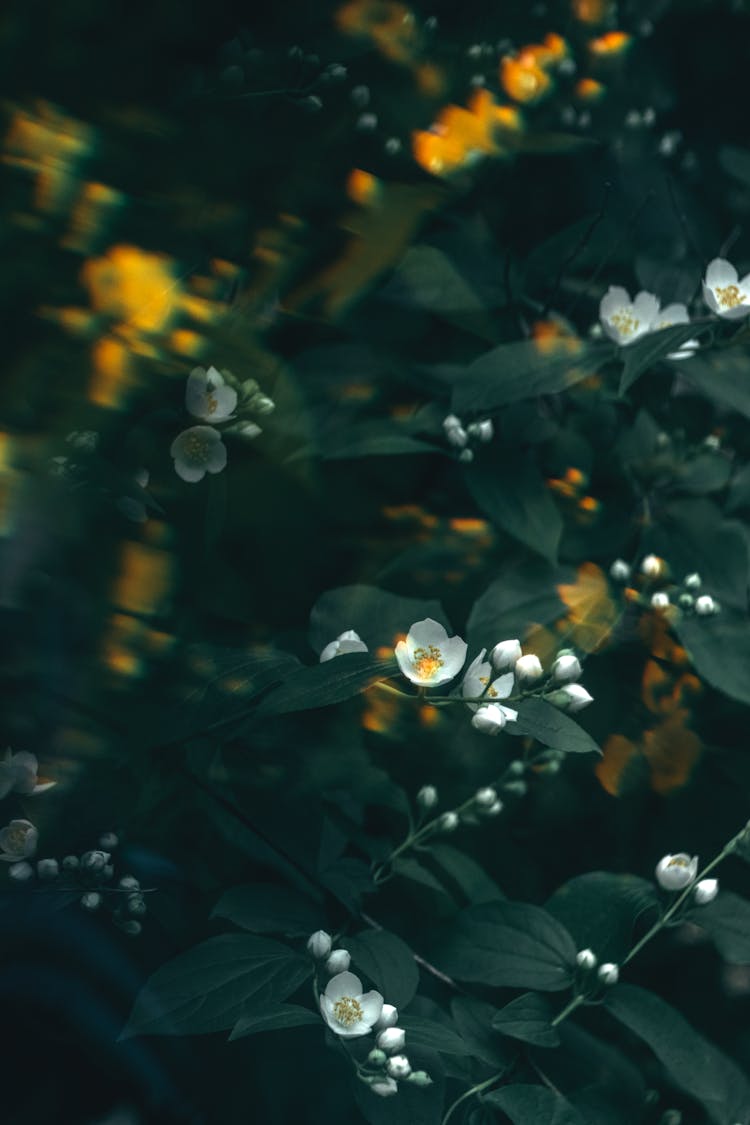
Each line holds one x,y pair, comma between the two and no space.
729,296
427,661
348,1011
625,322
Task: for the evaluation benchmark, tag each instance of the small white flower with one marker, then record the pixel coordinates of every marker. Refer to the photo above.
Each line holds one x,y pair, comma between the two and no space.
693,581
208,397
706,891
485,797
490,718
505,655
18,774
667,318
449,821
339,961
619,571
586,959
398,1066
625,321
457,436
428,656
384,1087
391,1039
476,684
528,669
567,667
346,642
608,974
483,430
427,797
659,601
724,292
388,1016
18,840
705,605
652,566
571,697
675,872
346,1009
197,451
318,944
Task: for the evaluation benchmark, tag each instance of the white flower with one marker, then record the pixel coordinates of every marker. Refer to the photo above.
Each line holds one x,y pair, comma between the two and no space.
348,641
454,431
384,1087
476,684
705,605
608,974
652,566
490,718
483,430
427,797
693,581
667,318
723,291
388,1016
339,961
391,1039
18,840
505,654
208,397
706,891
346,1009
18,773
625,321
398,1066
619,571
428,656
675,872
659,601
485,797
586,959
571,697
566,667
198,451
528,668
449,821
319,943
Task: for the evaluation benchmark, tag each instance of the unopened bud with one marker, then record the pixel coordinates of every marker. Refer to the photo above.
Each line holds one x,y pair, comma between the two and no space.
567,667
92,900
319,943
516,768
129,883
136,905
693,581
388,1016
494,809
427,797
652,566
705,605
586,959
516,788
489,718
398,1066
686,601
70,863
47,868
20,872
466,456
528,669
391,1039
706,891
619,571
109,841
339,961
505,655
608,974
659,601
675,872
94,861
420,1078
131,927
384,1087
485,797
449,821
360,95
376,1057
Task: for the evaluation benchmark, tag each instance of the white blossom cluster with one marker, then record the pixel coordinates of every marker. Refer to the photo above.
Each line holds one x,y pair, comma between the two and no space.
461,436
684,596
675,873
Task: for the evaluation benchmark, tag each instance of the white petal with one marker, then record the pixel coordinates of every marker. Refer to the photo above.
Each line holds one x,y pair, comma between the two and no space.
405,662
672,314
454,657
345,647
217,458
646,309
214,378
372,1005
502,686
510,714
710,298
615,298
225,399
196,393
425,633
188,473
720,272
349,635
343,984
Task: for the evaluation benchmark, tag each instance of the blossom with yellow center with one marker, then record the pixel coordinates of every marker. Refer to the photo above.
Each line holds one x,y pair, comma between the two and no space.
346,1009
625,321
18,841
476,684
724,292
197,451
675,872
428,656
208,397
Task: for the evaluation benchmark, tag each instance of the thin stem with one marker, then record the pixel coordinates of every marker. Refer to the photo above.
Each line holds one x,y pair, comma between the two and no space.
570,1007
470,1094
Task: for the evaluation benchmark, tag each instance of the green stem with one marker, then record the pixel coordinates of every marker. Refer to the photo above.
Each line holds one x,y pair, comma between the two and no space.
571,1007
470,1094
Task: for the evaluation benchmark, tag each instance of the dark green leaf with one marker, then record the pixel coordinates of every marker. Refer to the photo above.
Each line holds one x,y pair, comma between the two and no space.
525,595
348,879
371,439
470,876
525,1105
708,472
206,988
388,962
722,378
719,648
474,1021
274,1019
319,685
429,1033
409,868
529,1017
269,909
553,728
727,920
736,161
514,495
600,910
693,1063
644,353
508,943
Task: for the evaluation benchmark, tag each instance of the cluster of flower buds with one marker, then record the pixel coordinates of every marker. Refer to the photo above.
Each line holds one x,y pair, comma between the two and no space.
590,972
675,873
672,596
461,437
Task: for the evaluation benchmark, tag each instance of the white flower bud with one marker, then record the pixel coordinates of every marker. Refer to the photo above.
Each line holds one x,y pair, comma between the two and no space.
675,872
457,436
505,654
451,421
392,1039
136,904
420,1078
131,927
384,1087
398,1066
449,821
20,872
466,455
693,581
517,788
92,900
94,861
427,797
485,797
109,841
129,883
686,601
660,600
489,718
712,442
706,891
494,809
388,1017
586,959
339,961
528,669
704,605
376,1057
652,566
319,943
70,863
572,697
567,667
517,768
47,868
608,974
483,430
619,571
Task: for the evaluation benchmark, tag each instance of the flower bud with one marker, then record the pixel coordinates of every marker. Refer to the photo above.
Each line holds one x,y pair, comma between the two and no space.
388,1017
706,891
528,669
109,841
398,1066
94,861
262,404
572,697
20,872
485,797
505,654
391,1039
567,667
660,600
136,905
92,900
131,927
586,959
339,961
129,883
47,868
483,430
319,943
466,456
384,1087
494,809
652,566
449,821
619,571
705,605
420,1078
693,581
489,718
427,797
457,436
516,788
70,863
608,974
517,768
686,601
675,872
376,1057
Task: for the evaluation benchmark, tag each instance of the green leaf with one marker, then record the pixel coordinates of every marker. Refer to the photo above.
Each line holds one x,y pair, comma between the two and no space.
370,439
207,988
528,1017
409,868
470,876
348,879
269,909
736,161
377,615
708,472
427,279
553,728
722,378
513,493
320,685
693,1063
719,648
508,943
727,920
388,962
429,1033
692,534
600,910
274,1019
525,594
644,353
527,1104
474,1021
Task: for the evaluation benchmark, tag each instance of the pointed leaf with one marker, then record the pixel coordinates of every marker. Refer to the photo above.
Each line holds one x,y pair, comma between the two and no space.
269,909
527,1104
274,1019
388,962
515,496
644,353
727,920
529,1017
553,728
320,685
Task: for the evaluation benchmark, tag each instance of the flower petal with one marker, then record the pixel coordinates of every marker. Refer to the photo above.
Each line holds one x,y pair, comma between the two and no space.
188,473
615,298
403,656
720,272
422,634
710,298
372,1005
343,984
672,314
217,458
646,309
502,686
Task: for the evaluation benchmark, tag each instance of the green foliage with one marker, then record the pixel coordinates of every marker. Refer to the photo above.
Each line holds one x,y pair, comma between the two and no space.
553,728
524,1104
727,921
388,962
529,1018
515,497
269,909
601,911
